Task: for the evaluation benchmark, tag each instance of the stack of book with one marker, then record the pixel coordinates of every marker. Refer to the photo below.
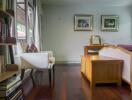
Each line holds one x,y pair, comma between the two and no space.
93,51
10,89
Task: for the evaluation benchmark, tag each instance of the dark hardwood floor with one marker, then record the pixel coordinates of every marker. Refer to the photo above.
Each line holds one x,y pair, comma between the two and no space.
69,84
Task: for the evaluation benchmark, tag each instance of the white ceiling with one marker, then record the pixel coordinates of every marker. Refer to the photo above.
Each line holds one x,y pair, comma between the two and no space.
88,2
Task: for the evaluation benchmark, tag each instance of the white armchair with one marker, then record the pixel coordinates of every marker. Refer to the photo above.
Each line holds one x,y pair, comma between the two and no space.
39,61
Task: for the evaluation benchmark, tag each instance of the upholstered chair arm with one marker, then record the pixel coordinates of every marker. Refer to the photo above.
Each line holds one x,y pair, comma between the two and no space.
50,53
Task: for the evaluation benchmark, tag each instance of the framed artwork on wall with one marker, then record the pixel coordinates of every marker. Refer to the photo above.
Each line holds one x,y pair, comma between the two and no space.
83,22
110,23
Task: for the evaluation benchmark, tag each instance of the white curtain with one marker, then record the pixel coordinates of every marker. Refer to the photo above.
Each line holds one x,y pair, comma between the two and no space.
38,41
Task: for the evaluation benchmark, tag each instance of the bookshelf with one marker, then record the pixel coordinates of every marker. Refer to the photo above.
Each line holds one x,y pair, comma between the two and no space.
7,32
10,81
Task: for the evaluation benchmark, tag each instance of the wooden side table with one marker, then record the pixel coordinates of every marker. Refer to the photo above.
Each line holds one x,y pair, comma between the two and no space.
99,69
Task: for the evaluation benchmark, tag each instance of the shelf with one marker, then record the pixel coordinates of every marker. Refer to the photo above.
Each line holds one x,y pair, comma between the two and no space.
7,41
6,44
6,75
8,12
93,48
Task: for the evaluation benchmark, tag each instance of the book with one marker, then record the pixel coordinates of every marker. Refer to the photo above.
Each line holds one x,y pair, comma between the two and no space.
14,93
17,95
3,5
93,51
10,5
4,29
0,27
6,93
9,83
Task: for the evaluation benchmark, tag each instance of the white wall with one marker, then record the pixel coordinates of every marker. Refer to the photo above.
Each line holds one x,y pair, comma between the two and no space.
67,44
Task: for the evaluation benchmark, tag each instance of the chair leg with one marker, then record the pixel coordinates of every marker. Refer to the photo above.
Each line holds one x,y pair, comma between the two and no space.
50,77
53,73
31,75
22,73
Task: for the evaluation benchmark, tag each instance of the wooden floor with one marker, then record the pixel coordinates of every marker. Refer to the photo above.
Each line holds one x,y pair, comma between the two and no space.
69,84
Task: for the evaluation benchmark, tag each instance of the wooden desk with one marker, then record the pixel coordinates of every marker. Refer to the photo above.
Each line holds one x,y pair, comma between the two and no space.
99,69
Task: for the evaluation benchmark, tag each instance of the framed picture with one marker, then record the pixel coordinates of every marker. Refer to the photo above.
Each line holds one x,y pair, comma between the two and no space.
95,40
83,22
109,23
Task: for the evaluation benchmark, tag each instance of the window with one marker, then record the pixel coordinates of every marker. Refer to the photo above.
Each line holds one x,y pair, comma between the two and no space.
21,19
30,22
25,20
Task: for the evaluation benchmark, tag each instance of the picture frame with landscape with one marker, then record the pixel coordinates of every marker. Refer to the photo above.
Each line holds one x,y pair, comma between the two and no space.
110,23
83,22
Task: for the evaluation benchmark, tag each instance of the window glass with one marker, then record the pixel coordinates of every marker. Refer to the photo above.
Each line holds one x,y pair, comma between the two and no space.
20,1
31,2
25,20
30,24
22,6
20,23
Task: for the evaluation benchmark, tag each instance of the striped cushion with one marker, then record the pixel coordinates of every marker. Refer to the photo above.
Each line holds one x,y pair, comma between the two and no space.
32,48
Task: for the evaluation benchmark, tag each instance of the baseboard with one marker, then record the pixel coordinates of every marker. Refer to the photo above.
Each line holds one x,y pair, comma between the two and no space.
67,63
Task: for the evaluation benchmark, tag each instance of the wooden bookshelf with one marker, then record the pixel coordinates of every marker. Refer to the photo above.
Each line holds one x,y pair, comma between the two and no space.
7,75
6,44
7,40
7,32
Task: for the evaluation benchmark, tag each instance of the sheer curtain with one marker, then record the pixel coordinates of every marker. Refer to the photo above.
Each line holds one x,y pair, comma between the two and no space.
38,39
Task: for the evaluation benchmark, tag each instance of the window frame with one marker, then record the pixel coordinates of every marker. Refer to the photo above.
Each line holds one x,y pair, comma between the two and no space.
33,6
